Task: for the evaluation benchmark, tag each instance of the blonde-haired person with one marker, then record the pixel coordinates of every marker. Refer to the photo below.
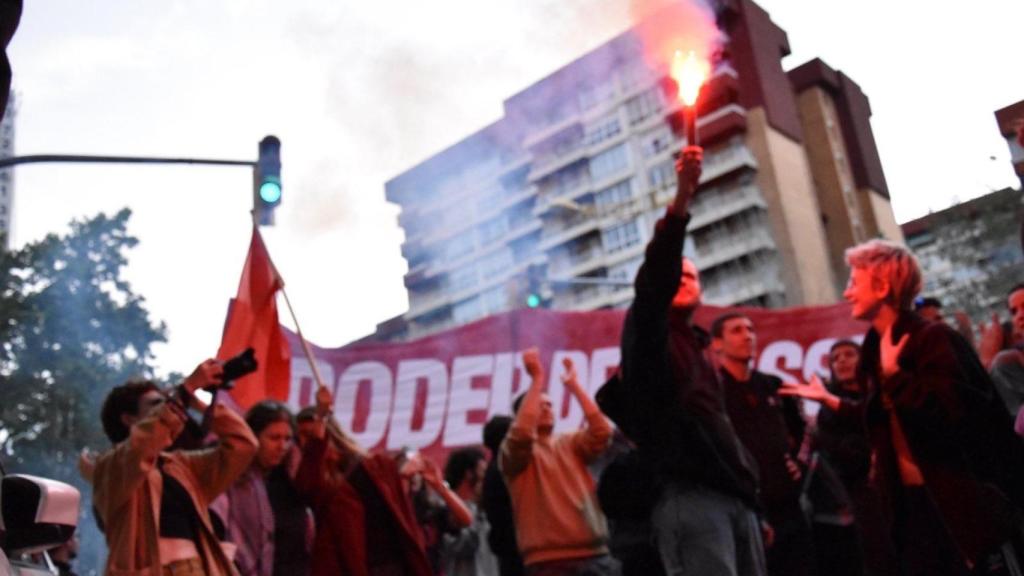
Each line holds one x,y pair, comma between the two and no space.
945,457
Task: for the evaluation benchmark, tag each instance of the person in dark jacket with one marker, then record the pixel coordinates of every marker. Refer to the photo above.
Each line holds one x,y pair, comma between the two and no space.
497,503
844,444
771,428
669,402
947,463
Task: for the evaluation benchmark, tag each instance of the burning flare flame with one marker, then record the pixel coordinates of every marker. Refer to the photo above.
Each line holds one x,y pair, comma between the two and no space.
689,74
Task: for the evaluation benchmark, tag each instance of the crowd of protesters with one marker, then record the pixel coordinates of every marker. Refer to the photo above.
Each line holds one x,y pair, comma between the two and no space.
689,462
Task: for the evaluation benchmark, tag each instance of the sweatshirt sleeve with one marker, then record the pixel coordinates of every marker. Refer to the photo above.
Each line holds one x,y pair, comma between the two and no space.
658,278
593,440
218,467
120,471
517,447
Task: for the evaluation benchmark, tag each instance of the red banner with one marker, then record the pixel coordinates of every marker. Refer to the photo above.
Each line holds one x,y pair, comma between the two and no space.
435,394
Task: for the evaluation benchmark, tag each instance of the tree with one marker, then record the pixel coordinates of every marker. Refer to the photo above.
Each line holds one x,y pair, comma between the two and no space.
72,329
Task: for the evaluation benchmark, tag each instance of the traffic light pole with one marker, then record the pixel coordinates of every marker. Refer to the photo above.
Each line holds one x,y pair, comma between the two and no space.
83,159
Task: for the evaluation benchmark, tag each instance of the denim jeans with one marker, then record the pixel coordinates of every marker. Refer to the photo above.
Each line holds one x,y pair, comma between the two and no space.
702,532
593,566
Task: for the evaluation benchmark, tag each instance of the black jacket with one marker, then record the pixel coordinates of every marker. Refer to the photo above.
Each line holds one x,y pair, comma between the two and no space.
668,399
958,432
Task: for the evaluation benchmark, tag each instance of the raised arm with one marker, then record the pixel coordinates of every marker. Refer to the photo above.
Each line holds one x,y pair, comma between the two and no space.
218,467
593,440
658,278
325,412
517,447
456,507
118,473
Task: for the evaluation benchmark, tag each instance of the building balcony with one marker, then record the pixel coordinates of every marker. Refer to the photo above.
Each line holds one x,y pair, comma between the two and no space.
428,302
594,298
537,137
568,229
442,233
711,208
546,166
742,288
577,265
549,199
722,251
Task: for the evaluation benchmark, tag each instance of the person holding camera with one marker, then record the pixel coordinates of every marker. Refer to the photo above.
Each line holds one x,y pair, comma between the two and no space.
153,502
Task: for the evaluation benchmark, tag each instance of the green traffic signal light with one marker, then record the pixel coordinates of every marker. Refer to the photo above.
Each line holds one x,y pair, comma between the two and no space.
267,180
533,301
270,190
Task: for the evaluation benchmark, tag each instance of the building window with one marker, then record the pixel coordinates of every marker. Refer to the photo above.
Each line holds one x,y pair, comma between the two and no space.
468,310
495,300
459,246
662,175
493,229
605,129
609,162
615,193
462,278
495,264
621,237
644,105
626,270
591,96
656,141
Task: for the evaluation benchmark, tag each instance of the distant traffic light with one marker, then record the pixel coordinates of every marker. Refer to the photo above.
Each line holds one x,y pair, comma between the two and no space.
534,297
266,193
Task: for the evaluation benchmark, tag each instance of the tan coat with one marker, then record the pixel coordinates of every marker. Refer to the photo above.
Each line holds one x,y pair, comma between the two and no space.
127,487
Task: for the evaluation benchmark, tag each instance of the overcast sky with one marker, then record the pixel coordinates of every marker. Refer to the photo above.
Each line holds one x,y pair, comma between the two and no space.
360,91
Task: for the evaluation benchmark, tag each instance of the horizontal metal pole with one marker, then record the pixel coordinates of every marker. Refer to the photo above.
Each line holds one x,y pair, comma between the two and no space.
591,281
39,158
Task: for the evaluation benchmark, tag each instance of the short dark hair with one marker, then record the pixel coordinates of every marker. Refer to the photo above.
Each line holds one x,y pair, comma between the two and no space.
718,326
845,342
495,431
121,400
307,414
1016,287
267,412
517,403
460,462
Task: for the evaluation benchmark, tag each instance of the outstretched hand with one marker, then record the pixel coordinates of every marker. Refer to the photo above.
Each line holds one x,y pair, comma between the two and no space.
991,340
324,401
890,353
207,374
569,377
531,361
688,171
814,390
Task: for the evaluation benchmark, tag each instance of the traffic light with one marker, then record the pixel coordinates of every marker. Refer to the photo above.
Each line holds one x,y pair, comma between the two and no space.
266,194
534,297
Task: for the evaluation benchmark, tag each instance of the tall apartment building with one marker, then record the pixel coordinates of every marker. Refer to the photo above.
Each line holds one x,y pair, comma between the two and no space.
7,174
575,174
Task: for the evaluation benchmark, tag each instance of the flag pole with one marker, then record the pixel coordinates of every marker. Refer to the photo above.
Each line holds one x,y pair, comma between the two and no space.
333,426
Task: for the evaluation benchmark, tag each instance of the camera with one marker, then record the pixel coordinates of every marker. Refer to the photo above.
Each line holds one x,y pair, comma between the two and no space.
235,368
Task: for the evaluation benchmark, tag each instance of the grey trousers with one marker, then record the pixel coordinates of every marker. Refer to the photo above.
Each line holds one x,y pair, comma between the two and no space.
702,532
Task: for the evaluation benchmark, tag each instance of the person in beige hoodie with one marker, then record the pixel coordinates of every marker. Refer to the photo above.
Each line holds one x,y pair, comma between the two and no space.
559,525
153,502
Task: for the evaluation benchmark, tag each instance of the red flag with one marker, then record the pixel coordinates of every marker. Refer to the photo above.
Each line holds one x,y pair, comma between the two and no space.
252,323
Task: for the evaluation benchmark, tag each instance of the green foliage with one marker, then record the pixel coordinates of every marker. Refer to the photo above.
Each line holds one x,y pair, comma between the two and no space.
71,330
